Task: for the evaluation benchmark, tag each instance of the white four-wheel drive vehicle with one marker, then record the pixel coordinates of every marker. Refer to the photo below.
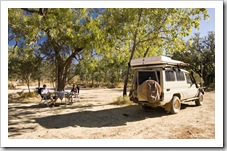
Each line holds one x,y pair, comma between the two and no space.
159,81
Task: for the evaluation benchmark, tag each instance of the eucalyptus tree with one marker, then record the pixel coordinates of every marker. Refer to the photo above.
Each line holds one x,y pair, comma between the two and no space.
60,33
200,56
23,64
150,31
115,35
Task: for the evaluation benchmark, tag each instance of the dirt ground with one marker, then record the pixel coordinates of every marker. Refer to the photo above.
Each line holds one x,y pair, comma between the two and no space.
94,116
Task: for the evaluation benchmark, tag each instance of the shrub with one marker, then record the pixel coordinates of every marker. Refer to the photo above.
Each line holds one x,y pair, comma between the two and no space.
111,86
23,95
13,95
11,86
212,85
29,95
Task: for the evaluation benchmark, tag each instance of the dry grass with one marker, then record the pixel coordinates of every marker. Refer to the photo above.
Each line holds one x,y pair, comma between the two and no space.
122,101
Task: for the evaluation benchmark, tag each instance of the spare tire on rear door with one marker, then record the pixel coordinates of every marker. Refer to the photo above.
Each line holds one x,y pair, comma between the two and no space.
150,90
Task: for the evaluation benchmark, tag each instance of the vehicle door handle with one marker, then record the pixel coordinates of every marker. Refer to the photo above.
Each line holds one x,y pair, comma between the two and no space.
167,89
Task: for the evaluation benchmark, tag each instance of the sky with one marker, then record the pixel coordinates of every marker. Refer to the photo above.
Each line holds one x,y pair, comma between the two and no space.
206,26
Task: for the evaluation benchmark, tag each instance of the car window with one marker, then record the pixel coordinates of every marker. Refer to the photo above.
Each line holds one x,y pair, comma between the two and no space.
169,75
180,76
144,75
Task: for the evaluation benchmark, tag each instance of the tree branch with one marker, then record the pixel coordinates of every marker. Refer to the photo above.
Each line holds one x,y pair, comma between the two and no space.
122,39
150,39
41,11
154,30
145,54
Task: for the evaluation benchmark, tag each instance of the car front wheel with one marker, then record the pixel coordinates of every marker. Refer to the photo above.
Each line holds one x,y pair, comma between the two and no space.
175,105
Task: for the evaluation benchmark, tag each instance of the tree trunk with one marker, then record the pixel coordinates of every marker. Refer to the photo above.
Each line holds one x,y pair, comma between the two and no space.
92,80
61,85
63,68
127,72
126,81
61,78
28,87
38,82
28,84
132,53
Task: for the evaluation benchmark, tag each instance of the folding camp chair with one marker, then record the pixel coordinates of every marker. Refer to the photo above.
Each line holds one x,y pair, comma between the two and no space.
44,99
75,97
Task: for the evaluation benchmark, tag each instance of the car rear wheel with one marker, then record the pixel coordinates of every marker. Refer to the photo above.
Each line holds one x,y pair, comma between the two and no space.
175,105
199,101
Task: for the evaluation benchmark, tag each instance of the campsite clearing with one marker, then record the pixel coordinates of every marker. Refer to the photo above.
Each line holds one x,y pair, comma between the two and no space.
95,116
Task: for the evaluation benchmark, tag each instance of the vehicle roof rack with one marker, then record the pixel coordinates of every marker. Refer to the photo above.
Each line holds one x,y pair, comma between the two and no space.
157,66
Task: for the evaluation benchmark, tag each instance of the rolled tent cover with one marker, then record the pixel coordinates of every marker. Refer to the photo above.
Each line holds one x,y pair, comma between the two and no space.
150,90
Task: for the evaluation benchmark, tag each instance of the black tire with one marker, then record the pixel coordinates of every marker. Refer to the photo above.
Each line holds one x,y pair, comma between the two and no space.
175,105
199,101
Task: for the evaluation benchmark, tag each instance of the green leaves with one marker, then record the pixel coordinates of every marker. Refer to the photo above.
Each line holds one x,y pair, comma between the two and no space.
115,35
200,56
155,25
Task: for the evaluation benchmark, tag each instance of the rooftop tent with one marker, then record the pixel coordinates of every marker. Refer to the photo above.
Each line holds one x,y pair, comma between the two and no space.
156,60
